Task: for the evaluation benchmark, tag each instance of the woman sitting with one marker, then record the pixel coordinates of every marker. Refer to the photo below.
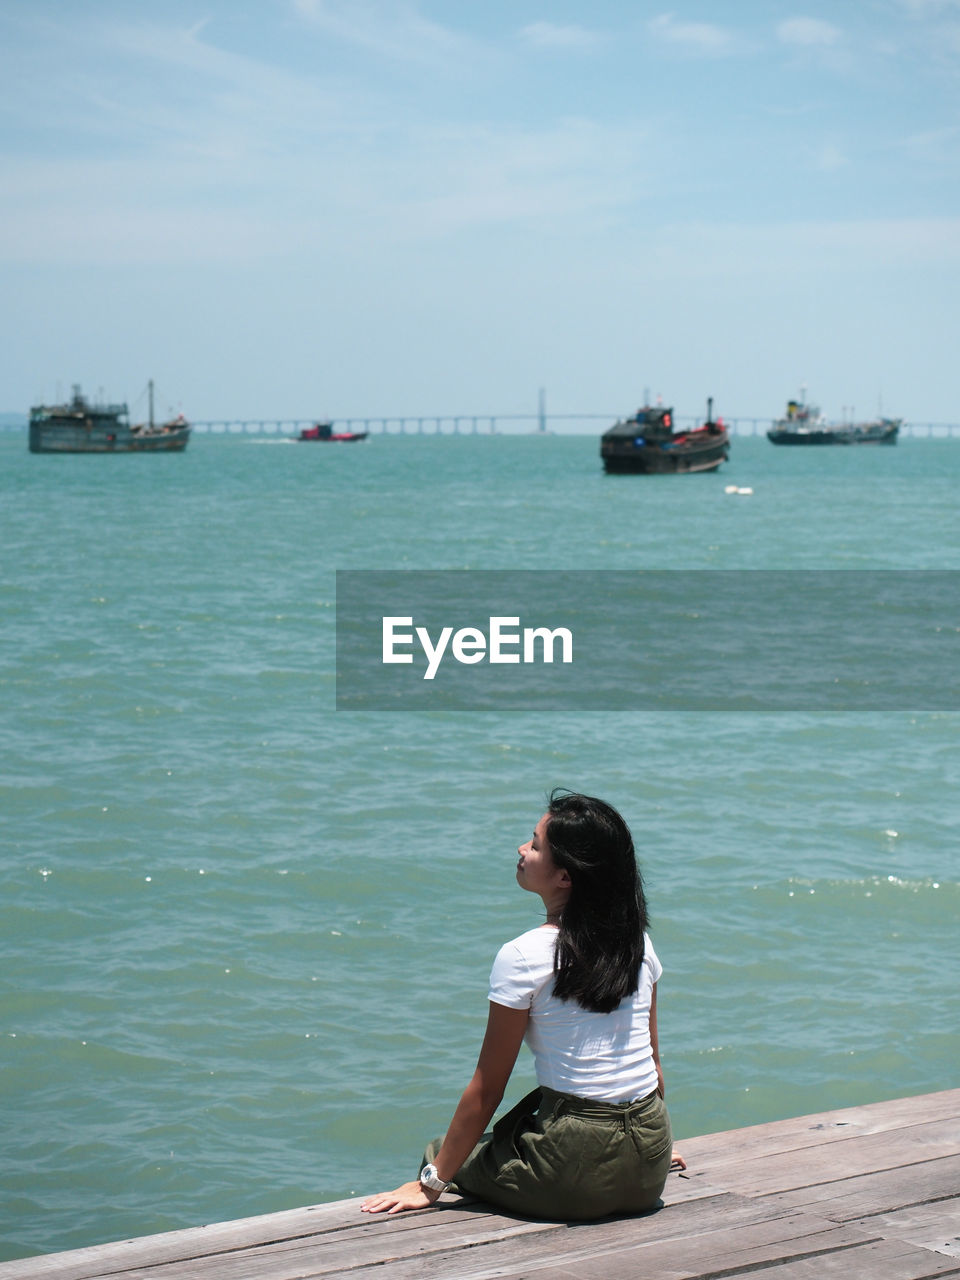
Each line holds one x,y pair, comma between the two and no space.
594,1137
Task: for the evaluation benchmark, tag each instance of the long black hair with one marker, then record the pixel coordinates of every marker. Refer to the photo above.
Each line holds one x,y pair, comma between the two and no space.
600,941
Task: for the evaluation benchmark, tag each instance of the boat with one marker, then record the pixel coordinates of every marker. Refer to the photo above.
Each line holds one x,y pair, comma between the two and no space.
805,424
648,444
84,427
323,431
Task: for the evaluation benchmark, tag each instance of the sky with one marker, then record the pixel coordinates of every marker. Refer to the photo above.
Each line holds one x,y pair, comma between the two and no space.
350,208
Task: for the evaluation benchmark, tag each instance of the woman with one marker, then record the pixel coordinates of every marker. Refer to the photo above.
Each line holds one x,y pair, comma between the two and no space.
594,1138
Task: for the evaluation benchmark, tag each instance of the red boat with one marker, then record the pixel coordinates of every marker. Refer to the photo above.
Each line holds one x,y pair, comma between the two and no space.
325,431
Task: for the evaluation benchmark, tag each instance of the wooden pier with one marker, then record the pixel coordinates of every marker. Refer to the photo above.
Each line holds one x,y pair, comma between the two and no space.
866,1193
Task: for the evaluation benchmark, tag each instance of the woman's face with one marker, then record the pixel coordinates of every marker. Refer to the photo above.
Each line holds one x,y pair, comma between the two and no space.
536,869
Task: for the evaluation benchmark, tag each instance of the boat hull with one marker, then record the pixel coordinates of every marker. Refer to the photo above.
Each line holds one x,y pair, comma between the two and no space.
666,457
53,437
887,434
323,433
351,437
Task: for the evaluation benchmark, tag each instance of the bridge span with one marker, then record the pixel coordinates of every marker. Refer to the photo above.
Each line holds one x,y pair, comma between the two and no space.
472,424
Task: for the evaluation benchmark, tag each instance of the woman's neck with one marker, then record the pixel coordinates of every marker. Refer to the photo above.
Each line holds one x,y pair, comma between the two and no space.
553,905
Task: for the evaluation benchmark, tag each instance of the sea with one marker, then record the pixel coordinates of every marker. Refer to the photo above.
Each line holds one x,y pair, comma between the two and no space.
245,936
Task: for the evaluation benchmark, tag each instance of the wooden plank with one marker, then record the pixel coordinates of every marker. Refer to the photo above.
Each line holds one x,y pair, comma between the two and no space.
381,1246
415,1245
832,1162
695,1184
884,1191
733,1145
809,1256
712,1253
197,1244
933,1226
878,1260
102,1259
576,1240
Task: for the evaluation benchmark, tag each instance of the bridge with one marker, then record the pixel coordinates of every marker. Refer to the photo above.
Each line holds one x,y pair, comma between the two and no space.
472,424
458,424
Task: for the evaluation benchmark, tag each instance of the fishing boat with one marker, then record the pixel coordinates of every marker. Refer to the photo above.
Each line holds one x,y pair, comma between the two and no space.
323,431
805,424
84,427
648,444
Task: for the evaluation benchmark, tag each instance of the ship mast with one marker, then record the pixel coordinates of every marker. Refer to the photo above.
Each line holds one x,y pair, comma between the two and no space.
150,398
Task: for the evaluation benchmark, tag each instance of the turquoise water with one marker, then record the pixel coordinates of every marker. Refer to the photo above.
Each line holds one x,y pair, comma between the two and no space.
245,938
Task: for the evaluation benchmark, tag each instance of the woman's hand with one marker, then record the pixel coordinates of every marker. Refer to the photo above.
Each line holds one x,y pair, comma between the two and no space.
677,1161
412,1195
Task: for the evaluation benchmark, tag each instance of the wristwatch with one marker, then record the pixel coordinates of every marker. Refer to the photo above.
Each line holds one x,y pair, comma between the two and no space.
429,1178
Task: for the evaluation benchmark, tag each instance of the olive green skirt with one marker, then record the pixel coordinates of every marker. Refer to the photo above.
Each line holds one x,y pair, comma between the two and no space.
566,1158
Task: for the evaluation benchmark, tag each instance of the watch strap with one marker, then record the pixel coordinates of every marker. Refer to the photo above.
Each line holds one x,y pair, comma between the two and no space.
430,1178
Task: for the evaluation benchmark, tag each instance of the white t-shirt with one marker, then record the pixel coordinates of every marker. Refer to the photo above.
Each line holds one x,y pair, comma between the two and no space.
605,1056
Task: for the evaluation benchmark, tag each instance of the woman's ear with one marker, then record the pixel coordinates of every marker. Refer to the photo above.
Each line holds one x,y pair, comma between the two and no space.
565,882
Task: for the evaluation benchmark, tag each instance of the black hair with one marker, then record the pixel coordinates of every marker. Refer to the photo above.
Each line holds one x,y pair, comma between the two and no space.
600,941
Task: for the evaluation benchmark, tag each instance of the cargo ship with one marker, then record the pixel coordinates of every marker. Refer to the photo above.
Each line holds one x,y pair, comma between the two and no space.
805,424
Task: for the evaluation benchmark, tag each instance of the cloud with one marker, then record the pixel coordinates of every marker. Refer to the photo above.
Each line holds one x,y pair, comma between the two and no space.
829,158
810,32
550,35
937,30
229,159
130,234
932,146
926,8
574,175
389,29
695,37
801,249
165,90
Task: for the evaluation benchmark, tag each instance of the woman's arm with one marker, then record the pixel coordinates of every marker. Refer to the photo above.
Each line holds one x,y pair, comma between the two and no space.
501,1044
655,1041
677,1161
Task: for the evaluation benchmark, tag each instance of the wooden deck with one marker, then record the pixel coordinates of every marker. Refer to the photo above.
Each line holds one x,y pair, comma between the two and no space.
867,1192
